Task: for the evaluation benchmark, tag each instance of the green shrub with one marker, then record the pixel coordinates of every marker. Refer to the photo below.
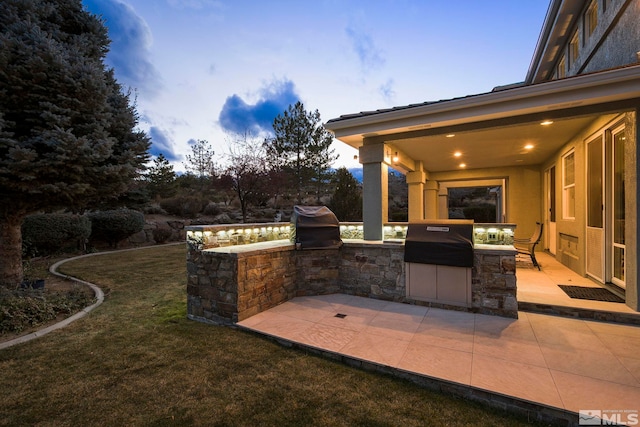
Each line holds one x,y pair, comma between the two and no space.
162,234
45,234
212,209
116,225
25,308
154,209
183,206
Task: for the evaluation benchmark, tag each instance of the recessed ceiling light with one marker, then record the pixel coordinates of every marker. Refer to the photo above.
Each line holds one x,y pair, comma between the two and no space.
457,154
528,146
546,122
451,135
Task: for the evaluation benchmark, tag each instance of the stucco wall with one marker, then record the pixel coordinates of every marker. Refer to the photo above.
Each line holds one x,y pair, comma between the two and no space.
615,41
571,233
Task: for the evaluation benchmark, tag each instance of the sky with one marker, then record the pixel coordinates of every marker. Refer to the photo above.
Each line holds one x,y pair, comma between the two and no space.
216,69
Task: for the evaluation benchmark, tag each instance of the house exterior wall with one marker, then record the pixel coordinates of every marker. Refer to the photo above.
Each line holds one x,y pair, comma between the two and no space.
571,233
615,40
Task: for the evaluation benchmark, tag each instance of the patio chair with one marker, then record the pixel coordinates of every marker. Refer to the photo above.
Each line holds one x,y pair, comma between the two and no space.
528,246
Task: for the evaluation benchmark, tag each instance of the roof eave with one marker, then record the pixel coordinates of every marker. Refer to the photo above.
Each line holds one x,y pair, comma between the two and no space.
583,90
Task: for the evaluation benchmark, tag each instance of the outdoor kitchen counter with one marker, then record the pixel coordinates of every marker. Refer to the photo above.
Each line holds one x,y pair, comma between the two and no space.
498,249
254,247
232,283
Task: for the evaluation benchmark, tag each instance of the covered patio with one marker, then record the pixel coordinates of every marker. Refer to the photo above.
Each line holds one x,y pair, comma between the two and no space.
538,291
518,139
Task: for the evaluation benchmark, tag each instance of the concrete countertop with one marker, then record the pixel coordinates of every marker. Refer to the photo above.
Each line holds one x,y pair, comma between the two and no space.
498,249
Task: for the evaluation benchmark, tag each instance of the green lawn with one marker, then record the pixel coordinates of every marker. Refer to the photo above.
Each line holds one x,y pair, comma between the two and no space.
137,360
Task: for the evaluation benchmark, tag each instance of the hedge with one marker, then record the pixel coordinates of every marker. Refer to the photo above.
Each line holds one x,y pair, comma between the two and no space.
115,225
46,234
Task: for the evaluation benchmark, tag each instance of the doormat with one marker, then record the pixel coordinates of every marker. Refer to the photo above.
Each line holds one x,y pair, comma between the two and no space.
594,294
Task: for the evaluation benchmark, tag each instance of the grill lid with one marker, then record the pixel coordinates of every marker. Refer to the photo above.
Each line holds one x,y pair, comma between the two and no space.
440,243
315,227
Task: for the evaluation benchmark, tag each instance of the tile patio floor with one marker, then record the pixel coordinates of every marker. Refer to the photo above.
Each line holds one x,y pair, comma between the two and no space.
557,362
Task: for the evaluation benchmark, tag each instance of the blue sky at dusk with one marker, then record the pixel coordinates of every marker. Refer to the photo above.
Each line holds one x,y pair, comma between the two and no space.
206,69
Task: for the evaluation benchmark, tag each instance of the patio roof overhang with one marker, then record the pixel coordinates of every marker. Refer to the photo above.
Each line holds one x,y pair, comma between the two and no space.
492,129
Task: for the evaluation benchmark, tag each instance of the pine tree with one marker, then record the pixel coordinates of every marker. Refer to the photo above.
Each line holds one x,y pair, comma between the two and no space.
67,130
200,163
301,146
161,179
346,202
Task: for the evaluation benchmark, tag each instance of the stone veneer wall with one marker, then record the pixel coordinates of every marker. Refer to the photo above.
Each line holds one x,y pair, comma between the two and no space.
373,270
493,283
230,286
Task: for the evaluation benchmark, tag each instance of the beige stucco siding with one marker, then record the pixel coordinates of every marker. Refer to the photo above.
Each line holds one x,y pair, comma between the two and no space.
631,209
571,233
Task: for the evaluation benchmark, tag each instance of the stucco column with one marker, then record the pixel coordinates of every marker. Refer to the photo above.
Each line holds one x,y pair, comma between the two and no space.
375,189
431,199
632,210
415,183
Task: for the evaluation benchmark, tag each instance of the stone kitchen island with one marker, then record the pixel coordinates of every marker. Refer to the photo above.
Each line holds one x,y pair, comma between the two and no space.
227,284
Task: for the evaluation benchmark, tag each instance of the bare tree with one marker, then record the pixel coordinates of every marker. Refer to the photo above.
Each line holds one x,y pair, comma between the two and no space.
247,171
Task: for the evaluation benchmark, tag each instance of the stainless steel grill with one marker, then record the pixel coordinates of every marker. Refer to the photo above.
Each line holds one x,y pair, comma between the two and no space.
439,261
440,243
315,227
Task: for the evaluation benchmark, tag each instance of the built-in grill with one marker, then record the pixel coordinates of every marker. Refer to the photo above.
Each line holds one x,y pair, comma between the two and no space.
439,259
315,227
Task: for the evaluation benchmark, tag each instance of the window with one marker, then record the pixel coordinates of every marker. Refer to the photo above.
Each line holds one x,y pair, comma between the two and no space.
595,184
574,48
480,204
561,68
569,186
590,19
552,194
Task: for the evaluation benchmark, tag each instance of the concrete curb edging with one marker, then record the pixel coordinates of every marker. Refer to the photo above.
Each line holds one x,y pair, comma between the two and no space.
99,294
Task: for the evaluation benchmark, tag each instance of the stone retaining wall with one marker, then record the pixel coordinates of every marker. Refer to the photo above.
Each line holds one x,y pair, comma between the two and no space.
230,285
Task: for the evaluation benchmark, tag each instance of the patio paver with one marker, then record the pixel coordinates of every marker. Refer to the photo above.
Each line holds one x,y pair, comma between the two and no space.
569,364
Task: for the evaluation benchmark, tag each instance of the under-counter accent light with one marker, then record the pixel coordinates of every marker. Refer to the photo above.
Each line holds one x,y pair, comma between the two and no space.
451,135
463,165
547,122
528,146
